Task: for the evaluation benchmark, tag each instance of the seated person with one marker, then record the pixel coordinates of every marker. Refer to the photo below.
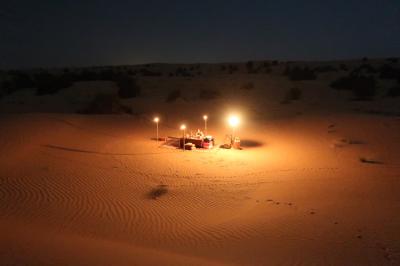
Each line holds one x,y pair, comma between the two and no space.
199,134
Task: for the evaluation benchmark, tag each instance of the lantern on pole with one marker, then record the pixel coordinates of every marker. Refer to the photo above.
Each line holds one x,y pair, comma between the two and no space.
183,128
233,122
205,117
156,120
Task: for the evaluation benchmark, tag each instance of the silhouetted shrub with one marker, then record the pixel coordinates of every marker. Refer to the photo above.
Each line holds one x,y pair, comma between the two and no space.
275,63
232,69
267,67
324,69
173,95
293,94
107,74
88,75
364,69
363,87
389,72
247,86
207,94
150,73
18,80
183,72
6,86
250,67
392,60
343,67
105,104
22,80
47,83
394,91
128,87
367,91
298,73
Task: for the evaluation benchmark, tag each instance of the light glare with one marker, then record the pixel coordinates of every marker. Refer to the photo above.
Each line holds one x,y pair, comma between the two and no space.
233,121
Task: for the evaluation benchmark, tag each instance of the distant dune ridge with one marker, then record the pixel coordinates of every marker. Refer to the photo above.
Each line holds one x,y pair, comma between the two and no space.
82,181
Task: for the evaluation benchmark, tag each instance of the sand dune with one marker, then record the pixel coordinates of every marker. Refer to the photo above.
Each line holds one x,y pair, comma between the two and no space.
316,183
75,190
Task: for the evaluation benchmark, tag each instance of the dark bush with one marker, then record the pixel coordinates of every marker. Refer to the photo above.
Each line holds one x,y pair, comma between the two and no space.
267,67
128,87
22,80
342,83
343,67
293,94
131,72
363,87
324,69
389,72
250,67
18,80
393,60
247,86
394,91
150,73
366,91
6,86
88,75
173,95
298,73
207,94
232,69
47,83
364,69
183,72
107,74
105,104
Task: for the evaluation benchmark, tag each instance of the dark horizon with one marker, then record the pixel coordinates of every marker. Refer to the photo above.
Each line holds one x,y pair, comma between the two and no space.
65,34
196,63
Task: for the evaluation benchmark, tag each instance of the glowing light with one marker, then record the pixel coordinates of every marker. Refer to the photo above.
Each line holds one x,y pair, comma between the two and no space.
156,120
233,121
205,117
183,127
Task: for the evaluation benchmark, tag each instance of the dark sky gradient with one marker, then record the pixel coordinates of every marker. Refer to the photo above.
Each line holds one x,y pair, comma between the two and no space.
76,33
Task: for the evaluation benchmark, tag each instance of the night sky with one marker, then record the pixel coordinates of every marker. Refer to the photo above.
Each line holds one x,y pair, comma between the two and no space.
82,33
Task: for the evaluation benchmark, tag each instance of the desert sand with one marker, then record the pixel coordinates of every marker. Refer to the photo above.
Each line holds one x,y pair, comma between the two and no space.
317,181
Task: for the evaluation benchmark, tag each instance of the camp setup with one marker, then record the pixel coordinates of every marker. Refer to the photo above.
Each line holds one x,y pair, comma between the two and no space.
200,139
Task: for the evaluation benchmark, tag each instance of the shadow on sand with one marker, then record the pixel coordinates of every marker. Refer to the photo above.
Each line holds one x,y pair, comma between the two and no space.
248,143
97,152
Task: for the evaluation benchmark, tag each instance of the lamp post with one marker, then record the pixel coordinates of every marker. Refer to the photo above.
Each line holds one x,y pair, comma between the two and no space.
156,120
205,117
233,122
183,128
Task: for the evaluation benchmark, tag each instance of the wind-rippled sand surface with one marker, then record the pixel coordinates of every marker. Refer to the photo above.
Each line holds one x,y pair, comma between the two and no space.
95,190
